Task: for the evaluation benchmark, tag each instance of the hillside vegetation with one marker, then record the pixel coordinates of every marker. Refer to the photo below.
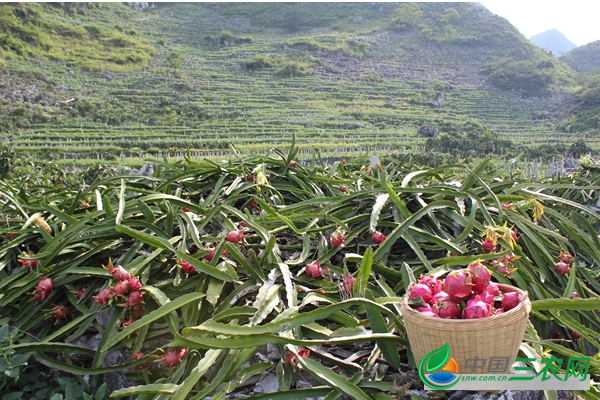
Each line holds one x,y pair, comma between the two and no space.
351,78
584,58
67,32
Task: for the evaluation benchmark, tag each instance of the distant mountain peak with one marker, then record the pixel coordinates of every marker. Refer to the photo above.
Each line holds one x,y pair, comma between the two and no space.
554,41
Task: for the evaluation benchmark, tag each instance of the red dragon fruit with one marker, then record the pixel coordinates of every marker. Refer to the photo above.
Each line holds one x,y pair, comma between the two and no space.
104,296
292,359
562,268
565,257
434,284
209,257
447,309
122,288
488,245
348,284
136,311
422,291
28,263
510,300
134,283
186,267
292,164
378,237
43,290
337,239
58,312
574,335
477,309
515,235
480,276
458,285
135,298
174,356
119,273
234,236
313,270
575,295
498,311
438,296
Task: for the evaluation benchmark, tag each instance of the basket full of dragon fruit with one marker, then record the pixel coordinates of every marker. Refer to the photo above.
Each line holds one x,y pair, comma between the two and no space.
478,318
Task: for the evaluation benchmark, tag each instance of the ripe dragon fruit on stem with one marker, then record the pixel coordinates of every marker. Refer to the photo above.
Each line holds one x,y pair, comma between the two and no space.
174,356
337,239
104,296
348,284
43,290
378,237
488,245
119,273
234,236
313,270
458,285
562,268
565,257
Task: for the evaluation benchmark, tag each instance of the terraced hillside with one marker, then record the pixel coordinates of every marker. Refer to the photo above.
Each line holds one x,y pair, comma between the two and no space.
344,88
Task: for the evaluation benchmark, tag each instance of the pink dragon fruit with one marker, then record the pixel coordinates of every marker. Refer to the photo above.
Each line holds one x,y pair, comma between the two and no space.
432,282
493,289
562,268
348,284
422,291
477,309
481,276
510,300
485,297
498,311
488,245
458,285
447,309
234,236
438,296
429,314
424,308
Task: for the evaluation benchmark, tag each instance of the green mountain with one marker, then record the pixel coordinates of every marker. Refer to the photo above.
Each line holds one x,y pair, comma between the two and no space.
584,58
343,77
553,40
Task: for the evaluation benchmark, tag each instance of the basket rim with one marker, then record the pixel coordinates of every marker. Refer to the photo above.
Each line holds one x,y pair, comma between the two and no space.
524,304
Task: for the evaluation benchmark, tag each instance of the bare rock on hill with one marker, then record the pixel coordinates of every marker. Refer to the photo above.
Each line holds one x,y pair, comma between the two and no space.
428,130
358,20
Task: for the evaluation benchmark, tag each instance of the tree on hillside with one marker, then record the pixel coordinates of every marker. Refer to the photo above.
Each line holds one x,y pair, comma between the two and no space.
175,60
407,16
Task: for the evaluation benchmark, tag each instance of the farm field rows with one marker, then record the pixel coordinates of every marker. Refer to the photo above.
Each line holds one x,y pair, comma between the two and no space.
212,101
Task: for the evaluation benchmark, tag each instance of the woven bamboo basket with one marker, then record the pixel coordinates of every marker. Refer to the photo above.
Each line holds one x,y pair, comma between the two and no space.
497,336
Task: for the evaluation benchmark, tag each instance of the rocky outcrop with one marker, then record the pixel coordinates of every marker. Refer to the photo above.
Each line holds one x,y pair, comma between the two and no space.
141,5
428,131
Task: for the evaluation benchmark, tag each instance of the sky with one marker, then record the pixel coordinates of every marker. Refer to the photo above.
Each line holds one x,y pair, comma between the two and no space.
576,19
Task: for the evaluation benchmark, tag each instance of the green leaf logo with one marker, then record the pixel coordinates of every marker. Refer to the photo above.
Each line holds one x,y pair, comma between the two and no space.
437,358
